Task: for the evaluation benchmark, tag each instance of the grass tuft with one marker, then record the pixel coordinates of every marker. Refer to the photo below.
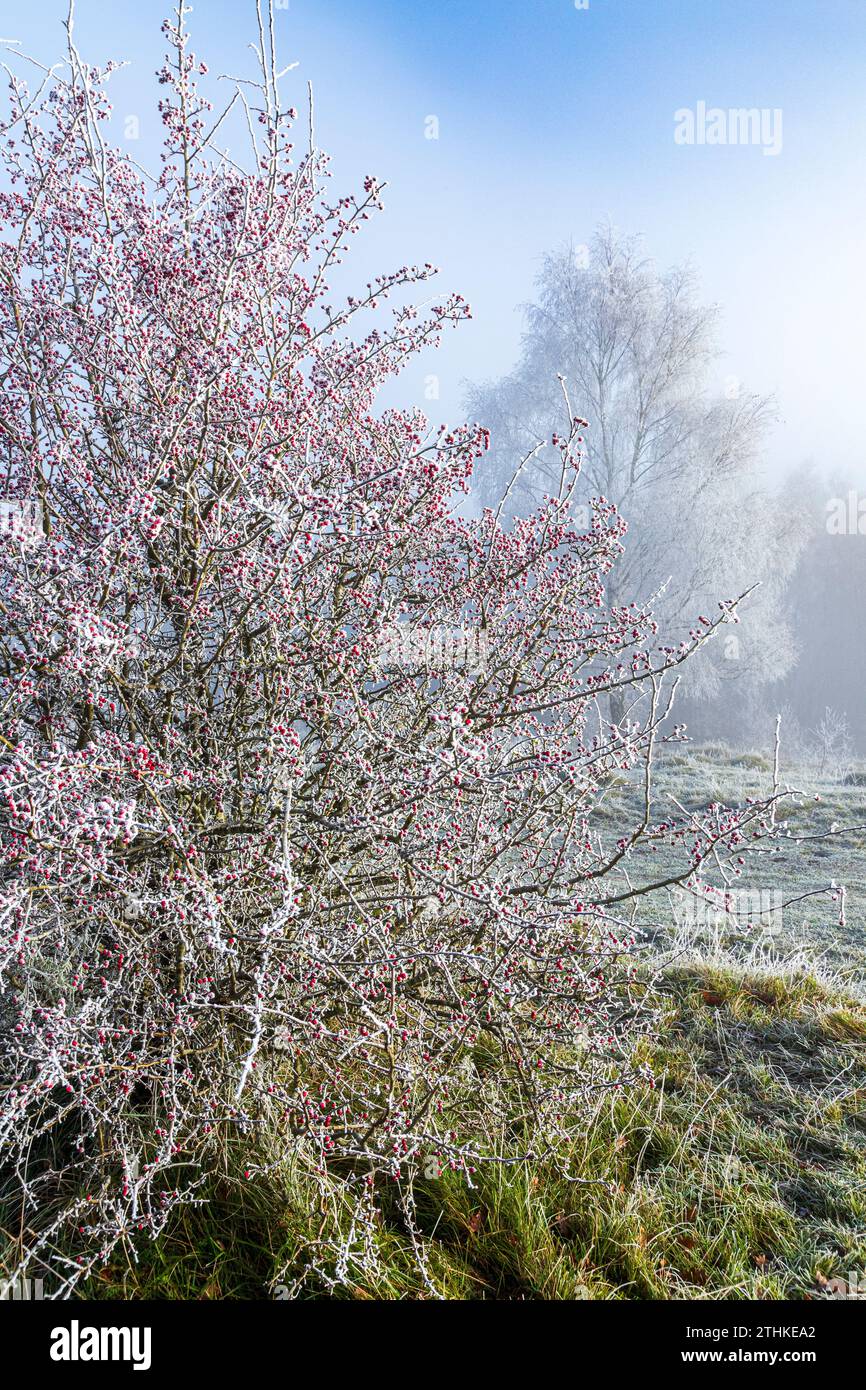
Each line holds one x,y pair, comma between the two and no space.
742,1175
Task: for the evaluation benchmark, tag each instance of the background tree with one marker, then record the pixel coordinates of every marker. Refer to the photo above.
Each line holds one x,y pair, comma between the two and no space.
634,347
826,594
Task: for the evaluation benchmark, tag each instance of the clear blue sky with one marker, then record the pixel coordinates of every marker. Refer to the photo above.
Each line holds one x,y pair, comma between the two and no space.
552,118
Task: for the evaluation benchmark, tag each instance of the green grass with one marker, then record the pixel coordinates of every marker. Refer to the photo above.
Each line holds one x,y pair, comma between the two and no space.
699,774
742,1175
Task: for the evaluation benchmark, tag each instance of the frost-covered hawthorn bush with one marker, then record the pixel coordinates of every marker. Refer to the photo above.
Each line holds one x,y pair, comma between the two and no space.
264,868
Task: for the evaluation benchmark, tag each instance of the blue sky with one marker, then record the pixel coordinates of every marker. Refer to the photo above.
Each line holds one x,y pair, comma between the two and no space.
552,118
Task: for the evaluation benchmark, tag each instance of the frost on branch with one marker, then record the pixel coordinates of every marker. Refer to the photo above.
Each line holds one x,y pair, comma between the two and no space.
257,878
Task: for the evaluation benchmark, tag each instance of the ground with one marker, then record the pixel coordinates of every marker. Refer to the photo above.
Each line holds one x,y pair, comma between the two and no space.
742,1174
